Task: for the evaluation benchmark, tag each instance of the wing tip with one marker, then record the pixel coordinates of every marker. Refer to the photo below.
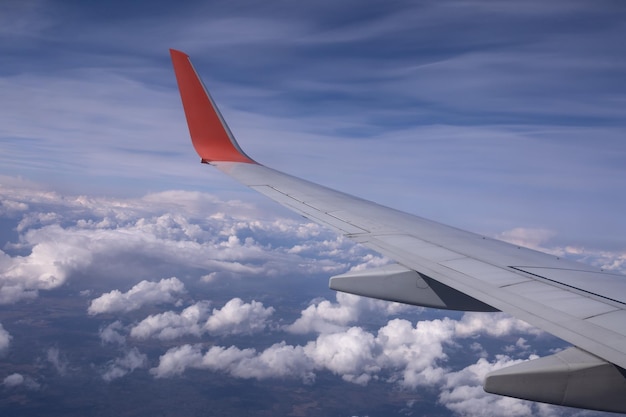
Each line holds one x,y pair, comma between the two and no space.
209,133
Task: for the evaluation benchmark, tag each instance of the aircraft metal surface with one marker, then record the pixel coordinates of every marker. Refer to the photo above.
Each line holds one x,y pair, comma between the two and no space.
444,267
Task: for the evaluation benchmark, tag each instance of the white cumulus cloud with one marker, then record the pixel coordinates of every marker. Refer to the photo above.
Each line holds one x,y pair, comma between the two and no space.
279,360
493,324
402,353
143,293
171,325
324,316
237,317
47,266
350,354
405,352
176,360
462,392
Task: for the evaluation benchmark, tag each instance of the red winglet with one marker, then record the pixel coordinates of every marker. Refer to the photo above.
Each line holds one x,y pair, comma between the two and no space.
209,133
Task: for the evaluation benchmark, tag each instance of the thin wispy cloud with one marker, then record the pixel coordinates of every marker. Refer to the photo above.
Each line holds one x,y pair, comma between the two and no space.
435,88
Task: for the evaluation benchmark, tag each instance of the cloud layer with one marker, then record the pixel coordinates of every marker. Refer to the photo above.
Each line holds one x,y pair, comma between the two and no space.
62,237
411,356
212,242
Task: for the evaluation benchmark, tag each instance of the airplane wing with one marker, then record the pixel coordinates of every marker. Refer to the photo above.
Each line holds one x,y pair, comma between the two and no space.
444,267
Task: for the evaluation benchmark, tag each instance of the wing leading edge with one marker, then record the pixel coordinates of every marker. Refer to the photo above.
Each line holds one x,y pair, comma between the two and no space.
444,267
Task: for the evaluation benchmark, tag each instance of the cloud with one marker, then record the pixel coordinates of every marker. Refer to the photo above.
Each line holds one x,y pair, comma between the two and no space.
16,380
543,240
79,236
171,325
237,317
46,267
181,228
119,367
492,324
349,354
176,360
144,293
488,77
111,333
234,318
8,207
58,362
356,355
530,238
416,351
521,346
327,317
242,363
5,340
13,380
279,360
408,355
219,238
462,392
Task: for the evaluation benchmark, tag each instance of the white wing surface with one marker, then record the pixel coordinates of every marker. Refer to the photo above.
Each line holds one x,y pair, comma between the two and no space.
444,267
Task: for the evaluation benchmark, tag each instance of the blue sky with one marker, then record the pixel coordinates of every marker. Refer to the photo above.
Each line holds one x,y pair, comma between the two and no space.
515,109
506,118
